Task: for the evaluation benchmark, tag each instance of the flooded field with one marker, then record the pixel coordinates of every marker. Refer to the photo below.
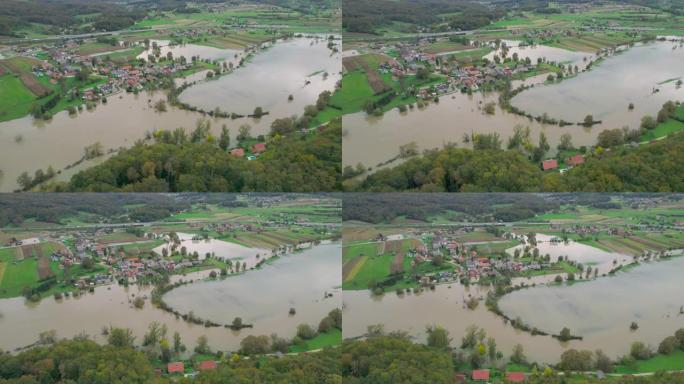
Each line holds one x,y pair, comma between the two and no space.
642,75
219,249
265,297
600,310
535,52
295,67
605,92
27,145
190,50
597,310
21,322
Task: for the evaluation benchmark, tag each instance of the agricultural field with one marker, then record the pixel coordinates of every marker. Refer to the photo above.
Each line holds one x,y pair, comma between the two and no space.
369,263
25,266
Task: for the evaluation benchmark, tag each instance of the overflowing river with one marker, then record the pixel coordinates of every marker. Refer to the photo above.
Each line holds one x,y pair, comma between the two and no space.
301,67
605,91
601,311
27,145
246,296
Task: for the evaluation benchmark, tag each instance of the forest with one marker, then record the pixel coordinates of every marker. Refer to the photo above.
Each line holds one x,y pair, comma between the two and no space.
367,16
81,360
392,358
16,208
60,14
646,168
176,163
385,207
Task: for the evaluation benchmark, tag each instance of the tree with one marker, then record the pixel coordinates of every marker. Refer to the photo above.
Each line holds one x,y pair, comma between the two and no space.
202,346
258,112
438,337
178,346
565,334
224,139
253,345
305,331
603,362
668,345
588,121
648,123
120,337
491,349
244,132
518,356
639,351
565,142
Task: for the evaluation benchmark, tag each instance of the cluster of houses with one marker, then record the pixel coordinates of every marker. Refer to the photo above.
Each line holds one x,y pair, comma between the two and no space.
256,149
570,162
178,368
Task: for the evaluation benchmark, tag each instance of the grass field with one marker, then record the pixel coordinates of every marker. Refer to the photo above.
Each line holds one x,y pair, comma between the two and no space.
322,340
673,362
17,274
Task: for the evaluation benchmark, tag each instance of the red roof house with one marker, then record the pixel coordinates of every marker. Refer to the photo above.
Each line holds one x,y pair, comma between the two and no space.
175,367
515,377
481,374
238,152
207,365
549,164
575,160
258,148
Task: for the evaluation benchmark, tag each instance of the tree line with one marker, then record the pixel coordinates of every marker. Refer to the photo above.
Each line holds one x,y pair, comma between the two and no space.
488,168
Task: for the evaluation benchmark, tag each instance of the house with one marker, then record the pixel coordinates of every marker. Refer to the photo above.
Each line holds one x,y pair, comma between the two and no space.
177,367
575,160
549,164
259,148
237,152
515,377
207,365
481,375
459,378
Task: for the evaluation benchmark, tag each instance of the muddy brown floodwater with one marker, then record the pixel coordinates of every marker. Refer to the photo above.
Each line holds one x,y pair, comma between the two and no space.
27,145
262,297
599,310
605,91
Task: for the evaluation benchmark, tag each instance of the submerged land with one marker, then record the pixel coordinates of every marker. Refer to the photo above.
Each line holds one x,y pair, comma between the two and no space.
560,91
565,286
173,277
247,78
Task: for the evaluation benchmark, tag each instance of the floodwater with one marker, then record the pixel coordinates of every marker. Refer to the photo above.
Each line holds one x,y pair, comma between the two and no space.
269,78
21,322
535,52
265,297
600,310
190,50
578,252
27,145
605,92
603,309
219,248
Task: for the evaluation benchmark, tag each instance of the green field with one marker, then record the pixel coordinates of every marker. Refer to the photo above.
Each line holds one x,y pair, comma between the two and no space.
329,339
673,362
15,99
17,274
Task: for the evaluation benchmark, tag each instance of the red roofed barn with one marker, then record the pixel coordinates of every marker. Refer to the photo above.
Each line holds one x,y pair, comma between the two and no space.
175,367
207,365
549,164
515,377
481,374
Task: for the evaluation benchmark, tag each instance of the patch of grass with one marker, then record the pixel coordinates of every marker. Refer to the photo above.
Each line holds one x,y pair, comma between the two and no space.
673,362
329,339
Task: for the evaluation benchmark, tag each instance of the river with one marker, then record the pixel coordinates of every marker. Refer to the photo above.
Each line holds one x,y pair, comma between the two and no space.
246,296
